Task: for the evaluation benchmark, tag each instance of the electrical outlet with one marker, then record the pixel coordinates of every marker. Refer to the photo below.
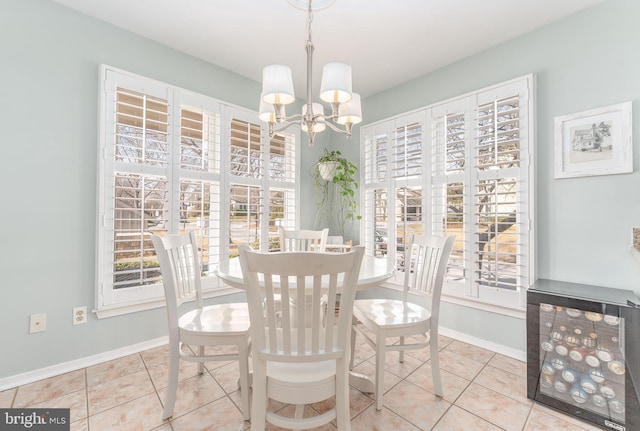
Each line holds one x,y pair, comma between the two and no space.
79,315
38,323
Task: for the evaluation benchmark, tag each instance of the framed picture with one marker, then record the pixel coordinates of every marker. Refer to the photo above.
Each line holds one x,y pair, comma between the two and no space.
594,142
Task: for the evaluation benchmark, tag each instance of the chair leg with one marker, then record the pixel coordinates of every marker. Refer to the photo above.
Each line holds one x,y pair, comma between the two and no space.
200,364
259,399
435,368
172,386
299,413
342,397
380,358
353,344
243,359
401,352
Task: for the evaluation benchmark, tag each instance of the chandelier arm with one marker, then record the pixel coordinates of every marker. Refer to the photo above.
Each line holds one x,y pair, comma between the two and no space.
280,127
336,128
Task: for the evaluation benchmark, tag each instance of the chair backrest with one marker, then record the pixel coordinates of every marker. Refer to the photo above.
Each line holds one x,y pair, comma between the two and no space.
425,266
180,267
303,240
302,331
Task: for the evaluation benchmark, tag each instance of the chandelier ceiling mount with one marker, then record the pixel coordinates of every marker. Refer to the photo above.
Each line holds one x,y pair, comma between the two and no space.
335,89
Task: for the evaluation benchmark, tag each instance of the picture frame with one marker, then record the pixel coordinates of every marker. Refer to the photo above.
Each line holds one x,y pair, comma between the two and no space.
594,142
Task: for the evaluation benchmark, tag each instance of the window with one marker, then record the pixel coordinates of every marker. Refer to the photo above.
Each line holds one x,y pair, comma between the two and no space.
173,161
461,167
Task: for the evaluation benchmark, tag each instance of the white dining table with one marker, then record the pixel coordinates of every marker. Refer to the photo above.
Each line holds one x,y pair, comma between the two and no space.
373,272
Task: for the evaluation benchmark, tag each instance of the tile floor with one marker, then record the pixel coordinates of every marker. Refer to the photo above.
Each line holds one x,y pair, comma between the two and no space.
482,391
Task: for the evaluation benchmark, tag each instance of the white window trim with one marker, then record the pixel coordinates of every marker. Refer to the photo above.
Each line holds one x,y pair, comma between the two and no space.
110,302
461,294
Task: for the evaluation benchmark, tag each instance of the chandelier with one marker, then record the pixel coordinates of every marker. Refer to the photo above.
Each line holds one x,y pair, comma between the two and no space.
335,89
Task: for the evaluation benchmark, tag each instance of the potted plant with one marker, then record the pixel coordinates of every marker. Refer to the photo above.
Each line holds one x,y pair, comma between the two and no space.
335,184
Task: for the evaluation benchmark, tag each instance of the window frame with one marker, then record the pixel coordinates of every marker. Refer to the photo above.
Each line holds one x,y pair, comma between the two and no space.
467,293
110,301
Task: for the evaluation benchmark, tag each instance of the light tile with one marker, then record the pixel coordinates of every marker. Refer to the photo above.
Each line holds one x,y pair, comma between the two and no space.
542,421
155,356
81,425
459,365
369,370
160,373
118,391
393,365
468,351
510,365
494,407
489,392
47,389
227,376
452,385
6,398
75,401
220,415
505,383
357,403
113,369
385,419
417,406
142,414
194,393
457,419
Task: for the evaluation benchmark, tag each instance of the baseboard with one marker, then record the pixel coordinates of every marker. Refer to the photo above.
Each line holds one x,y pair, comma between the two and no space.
66,367
489,345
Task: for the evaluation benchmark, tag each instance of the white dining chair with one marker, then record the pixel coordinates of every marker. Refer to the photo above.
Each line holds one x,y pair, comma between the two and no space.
300,357
211,325
303,240
426,260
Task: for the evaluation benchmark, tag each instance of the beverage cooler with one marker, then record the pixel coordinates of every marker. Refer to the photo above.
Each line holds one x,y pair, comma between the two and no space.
583,352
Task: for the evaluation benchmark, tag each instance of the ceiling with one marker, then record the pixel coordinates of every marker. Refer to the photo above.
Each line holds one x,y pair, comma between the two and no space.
387,42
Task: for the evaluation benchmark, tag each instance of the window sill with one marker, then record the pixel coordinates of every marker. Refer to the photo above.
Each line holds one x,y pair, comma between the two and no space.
122,309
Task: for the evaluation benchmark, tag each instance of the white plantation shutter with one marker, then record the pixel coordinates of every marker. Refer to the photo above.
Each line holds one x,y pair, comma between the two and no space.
465,171
392,199
449,151
163,168
262,184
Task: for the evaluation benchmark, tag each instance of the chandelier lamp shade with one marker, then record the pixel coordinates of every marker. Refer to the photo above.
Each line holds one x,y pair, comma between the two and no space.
335,89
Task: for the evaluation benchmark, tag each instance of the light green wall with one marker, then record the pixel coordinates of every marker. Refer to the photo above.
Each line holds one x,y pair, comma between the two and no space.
583,225
49,93
49,101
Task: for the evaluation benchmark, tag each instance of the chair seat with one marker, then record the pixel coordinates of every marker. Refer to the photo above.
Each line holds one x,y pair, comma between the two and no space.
390,313
221,319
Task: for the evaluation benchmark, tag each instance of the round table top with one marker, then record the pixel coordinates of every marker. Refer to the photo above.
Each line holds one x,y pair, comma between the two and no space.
373,272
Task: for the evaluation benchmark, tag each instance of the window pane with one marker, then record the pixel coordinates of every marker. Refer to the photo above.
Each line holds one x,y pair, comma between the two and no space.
499,134
408,219
407,151
141,128
244,217
199,211
245,150
199,140
497,233
140,207
282,158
